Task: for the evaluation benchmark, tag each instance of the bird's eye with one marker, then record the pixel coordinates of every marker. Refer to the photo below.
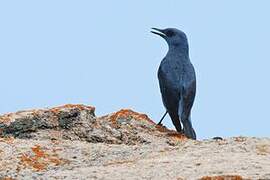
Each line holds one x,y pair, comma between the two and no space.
170,33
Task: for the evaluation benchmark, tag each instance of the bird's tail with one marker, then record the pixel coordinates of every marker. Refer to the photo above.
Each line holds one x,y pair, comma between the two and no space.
186,121
188,129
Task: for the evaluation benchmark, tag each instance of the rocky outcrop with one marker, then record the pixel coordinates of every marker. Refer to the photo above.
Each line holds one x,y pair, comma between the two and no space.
70,142
78,122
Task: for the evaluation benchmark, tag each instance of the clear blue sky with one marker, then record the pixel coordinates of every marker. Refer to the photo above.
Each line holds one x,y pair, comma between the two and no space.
101,53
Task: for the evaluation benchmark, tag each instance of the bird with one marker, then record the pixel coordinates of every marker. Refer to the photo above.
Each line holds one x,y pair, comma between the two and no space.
177,80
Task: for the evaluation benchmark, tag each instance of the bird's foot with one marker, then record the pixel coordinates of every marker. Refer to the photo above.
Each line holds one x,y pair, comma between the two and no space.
161,125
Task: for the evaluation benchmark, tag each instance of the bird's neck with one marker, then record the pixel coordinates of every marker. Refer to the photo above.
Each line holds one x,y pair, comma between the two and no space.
177,50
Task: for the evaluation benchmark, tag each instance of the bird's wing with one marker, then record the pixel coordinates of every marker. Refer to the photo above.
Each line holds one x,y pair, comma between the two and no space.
169,96
162,87
189,92
188,87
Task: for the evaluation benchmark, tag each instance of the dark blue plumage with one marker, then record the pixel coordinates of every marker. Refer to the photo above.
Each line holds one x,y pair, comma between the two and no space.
177,80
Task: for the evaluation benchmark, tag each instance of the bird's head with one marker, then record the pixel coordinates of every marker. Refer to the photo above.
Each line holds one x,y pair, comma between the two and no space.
174,37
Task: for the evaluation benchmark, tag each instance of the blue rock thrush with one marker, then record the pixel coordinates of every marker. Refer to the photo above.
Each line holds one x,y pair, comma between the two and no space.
177,80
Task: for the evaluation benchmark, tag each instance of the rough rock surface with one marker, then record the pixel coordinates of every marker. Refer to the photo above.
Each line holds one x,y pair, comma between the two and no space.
70,142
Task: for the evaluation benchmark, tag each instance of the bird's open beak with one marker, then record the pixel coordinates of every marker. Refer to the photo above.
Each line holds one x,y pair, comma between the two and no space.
158,32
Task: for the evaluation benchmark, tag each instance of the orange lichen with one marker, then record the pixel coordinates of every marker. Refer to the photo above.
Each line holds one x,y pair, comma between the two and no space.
37,112
8,140
5,119
171,133
224,177
38,151
162,128
127,113
240,139
177,136
72,106
6,178
33,162
40,160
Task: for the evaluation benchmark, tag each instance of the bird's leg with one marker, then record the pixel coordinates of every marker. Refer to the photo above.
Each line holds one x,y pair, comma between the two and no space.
159,123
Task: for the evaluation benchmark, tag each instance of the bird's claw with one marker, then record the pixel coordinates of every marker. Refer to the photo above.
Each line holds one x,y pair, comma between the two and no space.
160,124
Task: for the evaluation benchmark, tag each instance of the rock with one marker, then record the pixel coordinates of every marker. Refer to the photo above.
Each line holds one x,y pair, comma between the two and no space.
78,122
70,142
